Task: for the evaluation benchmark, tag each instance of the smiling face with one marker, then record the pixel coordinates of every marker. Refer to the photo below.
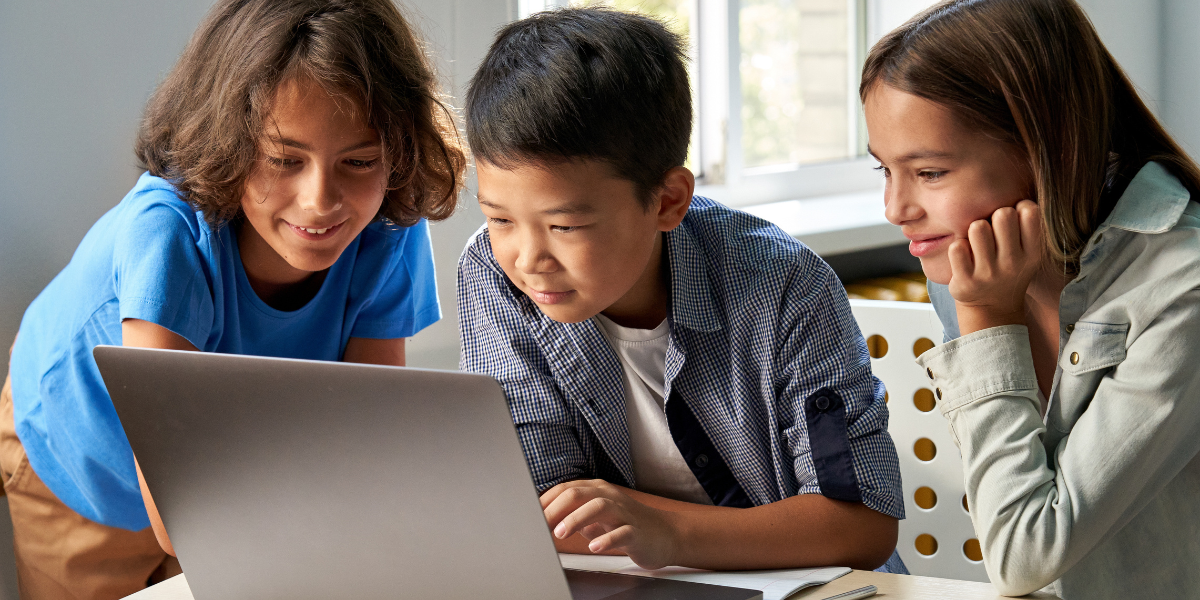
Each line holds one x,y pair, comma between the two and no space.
576,240
941,176
319,181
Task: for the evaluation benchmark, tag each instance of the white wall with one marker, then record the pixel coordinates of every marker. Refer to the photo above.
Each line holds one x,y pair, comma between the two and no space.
74,77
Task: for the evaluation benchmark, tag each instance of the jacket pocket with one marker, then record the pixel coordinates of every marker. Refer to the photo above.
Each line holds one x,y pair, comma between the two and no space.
1094,346
1089,354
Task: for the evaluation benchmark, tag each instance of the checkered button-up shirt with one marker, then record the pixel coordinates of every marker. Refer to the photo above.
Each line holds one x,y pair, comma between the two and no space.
764,355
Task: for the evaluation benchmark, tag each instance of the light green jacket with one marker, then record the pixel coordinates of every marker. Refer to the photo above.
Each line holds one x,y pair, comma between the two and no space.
1101,497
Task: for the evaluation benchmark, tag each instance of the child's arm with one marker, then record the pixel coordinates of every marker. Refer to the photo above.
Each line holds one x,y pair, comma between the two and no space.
144,334
375,352
156,524
801,531
1130,395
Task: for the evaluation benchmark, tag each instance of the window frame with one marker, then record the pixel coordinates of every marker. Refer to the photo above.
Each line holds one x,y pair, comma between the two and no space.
717,100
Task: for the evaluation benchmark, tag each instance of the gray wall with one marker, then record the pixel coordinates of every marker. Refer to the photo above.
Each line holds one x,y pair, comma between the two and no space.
461,32
1131,31
1156,41
73,79
1180,52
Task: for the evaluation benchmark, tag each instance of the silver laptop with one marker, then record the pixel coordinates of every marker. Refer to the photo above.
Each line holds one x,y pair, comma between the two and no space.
302,479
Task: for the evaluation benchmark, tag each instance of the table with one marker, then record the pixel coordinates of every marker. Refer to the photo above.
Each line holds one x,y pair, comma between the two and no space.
908,587
893,587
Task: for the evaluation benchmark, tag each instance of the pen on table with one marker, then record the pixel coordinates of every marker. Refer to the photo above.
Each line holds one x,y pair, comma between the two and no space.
861,592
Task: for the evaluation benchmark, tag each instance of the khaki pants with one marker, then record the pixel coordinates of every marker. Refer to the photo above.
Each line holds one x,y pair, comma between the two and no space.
61,554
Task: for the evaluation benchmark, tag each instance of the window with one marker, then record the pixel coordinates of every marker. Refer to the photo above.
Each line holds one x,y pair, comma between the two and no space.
776,91
797,103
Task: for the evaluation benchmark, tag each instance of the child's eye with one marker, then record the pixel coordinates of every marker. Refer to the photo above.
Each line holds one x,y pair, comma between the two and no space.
362,164
282,163
931,175
564,228
886,172
497,221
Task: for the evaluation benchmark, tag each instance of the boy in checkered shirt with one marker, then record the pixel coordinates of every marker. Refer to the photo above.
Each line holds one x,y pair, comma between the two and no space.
687,381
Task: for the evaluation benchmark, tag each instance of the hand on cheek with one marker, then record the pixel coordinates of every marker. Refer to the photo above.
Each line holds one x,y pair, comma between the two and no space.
991,269
612,521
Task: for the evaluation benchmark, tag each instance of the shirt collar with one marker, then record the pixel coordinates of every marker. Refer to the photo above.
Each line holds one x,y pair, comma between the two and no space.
1152,203
692,303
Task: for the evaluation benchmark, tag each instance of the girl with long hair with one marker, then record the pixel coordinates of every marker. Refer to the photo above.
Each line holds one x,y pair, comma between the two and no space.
1053,216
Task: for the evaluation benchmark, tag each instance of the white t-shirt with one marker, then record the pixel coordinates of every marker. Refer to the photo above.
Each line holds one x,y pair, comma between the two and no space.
658,466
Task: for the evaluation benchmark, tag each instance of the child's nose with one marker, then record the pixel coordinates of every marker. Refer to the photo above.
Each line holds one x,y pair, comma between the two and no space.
899,205
321,193
532,256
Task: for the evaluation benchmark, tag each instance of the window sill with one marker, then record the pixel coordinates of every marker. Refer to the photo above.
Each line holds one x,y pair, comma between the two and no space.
835,224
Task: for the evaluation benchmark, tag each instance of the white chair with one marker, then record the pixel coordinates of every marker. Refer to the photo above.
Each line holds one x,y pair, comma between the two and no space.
937,538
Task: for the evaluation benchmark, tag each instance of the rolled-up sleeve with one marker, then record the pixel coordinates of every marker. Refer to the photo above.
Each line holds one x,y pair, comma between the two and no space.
1038,511
837,432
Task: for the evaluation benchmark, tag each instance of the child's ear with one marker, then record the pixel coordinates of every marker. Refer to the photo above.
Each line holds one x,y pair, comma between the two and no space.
674,197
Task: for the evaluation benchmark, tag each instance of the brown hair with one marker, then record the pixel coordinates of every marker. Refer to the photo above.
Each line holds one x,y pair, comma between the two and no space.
1033,73
203,126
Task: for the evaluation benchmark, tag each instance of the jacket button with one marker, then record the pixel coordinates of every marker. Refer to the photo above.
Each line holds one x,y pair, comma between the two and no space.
929,372
939,392
822,403
1070,327
701,461
1074,358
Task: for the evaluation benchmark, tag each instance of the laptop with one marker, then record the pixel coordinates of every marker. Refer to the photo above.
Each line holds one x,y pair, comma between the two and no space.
283,478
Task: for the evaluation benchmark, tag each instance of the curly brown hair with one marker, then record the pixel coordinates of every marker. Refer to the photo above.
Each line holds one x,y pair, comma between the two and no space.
203,126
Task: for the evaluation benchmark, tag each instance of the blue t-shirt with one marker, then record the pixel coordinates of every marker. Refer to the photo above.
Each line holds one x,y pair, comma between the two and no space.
154,258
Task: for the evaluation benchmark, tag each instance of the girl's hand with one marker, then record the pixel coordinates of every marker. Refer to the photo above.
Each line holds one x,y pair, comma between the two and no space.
612,520
992,268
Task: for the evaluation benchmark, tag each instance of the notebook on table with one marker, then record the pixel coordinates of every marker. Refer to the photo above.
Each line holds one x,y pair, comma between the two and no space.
774,584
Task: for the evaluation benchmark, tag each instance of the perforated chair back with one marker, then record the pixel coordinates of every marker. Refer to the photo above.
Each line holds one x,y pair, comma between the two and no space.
937,538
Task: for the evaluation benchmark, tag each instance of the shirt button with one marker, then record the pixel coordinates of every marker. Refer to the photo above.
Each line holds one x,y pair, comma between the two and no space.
701,461
1074,358
822,403
1070,327
938,391
929,372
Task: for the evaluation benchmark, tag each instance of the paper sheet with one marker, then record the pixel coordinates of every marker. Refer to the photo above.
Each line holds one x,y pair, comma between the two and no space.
775,585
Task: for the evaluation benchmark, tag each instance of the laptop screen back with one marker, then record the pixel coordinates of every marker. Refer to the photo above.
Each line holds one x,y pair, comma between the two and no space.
297,479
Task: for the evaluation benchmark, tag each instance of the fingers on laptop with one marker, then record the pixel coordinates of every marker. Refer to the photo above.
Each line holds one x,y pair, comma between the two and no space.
564,499
611,520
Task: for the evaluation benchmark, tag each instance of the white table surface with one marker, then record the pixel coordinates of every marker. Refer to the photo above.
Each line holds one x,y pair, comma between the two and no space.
892,587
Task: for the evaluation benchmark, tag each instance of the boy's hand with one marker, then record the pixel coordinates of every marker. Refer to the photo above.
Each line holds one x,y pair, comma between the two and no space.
612,520
992,268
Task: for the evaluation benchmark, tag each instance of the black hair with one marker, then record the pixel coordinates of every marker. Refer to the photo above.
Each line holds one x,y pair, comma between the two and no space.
584,83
